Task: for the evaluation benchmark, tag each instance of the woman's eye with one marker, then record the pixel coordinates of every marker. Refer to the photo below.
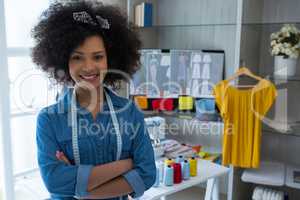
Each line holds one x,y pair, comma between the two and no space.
98,57
76,58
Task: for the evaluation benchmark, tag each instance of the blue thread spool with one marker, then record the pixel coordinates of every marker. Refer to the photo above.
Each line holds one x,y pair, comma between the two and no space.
161,166
185,169
169,176
156,184
179,159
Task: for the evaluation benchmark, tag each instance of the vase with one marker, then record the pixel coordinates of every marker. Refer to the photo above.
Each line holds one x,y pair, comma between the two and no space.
284,67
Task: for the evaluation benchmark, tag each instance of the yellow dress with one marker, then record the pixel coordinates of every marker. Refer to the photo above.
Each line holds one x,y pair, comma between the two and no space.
242,111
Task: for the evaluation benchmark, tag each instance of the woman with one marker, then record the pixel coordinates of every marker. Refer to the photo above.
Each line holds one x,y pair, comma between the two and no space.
92,144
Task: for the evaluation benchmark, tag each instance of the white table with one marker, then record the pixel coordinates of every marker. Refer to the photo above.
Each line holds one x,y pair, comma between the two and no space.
207,171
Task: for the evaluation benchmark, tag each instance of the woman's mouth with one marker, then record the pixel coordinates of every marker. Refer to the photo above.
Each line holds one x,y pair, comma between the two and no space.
91,77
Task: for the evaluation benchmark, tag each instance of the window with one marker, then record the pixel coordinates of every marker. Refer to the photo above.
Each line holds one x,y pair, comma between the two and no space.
30,89
28,86
20,18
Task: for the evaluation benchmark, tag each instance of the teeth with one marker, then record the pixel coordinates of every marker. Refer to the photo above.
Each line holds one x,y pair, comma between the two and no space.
89,77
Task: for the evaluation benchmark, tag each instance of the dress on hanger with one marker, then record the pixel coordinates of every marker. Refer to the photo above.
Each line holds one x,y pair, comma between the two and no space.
182,68
242,111
196,74
206,67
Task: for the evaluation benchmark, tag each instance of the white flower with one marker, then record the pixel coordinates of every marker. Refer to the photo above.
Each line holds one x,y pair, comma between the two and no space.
276,50
287,48
287,45
284,29
287,52
273,43
274,36
278,45
293,29
286,34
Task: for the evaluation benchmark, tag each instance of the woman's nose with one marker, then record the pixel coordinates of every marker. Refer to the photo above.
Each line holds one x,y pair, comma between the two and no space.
89,64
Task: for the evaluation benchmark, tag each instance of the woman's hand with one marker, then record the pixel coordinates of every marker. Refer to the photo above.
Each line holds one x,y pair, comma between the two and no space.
61,156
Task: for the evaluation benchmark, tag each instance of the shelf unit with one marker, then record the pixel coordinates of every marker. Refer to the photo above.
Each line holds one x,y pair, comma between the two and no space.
269,173
292,130
272,174
260,19
283,79
289,177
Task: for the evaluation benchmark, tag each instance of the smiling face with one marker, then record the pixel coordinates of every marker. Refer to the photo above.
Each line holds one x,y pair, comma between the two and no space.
88,62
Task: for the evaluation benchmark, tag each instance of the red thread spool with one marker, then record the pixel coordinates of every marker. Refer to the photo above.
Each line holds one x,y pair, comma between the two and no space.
177,173
167,104
156,104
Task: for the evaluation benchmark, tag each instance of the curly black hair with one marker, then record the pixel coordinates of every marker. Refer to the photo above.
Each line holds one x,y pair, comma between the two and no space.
57,34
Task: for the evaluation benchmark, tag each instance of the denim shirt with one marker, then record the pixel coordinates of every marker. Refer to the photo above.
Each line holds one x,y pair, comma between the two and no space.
97,145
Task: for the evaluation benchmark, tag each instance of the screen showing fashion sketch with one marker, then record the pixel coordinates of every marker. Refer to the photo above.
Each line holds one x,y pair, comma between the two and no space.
157,72
152,68
206,71
180,68
138,86
145,80
164,74
179,72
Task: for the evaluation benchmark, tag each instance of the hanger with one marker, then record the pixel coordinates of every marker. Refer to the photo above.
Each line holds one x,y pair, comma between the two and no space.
244,71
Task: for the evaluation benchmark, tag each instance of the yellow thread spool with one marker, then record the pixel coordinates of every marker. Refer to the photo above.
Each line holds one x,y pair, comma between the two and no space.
169,162
141,101
185,103
193,166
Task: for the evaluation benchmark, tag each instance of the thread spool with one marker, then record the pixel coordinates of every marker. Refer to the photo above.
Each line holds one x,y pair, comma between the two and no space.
169,161
179,159
168,176
167,105
141,101
161,170
185,103
177,173
156,184
193,167
185,169
156,104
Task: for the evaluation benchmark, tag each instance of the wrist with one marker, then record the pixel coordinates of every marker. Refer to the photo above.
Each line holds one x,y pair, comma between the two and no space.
128,164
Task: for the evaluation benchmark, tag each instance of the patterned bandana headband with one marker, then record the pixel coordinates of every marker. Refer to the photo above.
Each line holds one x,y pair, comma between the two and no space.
86,18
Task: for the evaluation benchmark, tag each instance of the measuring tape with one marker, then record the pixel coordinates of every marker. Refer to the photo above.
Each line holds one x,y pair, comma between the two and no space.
75,128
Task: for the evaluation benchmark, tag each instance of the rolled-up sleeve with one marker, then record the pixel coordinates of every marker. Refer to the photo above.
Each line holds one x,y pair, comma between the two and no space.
59,178
143,175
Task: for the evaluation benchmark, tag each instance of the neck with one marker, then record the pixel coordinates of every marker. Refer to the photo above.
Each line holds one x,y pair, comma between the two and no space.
92,100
